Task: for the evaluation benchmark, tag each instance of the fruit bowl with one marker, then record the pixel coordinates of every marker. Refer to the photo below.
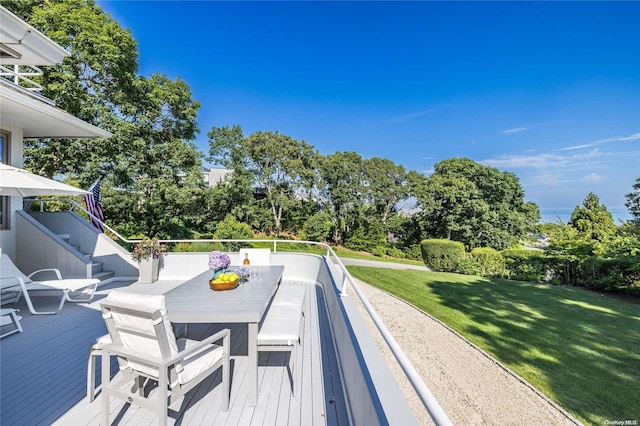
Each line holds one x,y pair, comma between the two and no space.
223,285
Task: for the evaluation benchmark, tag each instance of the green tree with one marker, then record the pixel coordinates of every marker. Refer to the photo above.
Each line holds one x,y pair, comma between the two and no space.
150,157
474,204
318,227
385,185
89,84
633,202
340,191
593,220
236,194
279,165
283,167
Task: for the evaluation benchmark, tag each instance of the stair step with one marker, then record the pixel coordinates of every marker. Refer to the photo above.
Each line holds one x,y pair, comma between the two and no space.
104,275
96,267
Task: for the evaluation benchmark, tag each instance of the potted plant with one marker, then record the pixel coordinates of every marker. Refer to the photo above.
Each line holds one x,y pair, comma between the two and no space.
148,253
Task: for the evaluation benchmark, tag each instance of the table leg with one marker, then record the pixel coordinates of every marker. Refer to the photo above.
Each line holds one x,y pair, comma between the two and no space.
252,348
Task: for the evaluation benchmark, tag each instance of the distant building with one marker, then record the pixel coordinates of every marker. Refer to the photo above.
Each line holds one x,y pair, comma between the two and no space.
214,176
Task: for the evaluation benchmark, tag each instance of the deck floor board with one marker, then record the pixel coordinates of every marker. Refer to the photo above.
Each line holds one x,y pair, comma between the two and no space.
46,366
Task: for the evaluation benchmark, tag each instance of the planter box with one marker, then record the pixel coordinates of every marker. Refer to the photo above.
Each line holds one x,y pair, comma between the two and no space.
148,269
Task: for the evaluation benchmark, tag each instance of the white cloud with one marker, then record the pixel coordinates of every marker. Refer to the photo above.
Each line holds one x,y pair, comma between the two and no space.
632,137
514,130
539,161
407,117
417,114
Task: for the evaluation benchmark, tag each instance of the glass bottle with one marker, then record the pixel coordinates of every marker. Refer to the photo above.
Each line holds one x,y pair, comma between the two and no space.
245,262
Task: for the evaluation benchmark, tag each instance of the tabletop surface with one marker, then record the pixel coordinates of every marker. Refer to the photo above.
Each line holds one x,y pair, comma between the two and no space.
194,302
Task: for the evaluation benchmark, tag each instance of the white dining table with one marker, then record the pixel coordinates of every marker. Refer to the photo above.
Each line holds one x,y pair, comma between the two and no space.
194,302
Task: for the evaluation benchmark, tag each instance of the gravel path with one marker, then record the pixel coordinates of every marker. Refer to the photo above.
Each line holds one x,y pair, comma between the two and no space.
472,387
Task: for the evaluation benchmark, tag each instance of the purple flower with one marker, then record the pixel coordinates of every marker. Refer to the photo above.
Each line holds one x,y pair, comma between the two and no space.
242,271
218,260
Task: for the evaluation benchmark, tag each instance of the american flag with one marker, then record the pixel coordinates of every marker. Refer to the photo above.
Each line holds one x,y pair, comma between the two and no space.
93,200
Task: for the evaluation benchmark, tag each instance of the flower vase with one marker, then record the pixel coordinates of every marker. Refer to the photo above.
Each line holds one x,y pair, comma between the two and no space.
217,272
148,269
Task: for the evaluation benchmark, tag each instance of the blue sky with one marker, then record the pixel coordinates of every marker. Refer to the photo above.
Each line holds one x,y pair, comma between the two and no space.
549,91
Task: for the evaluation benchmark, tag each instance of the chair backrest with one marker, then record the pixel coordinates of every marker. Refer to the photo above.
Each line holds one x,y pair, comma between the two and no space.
9,270
257,256
139,323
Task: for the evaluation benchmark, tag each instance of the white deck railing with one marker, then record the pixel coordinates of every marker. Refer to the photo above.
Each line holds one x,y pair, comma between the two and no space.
428,400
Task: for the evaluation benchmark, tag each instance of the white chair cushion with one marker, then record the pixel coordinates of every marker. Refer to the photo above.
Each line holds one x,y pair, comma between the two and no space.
199,362
292,295
70,284
141,344
281,326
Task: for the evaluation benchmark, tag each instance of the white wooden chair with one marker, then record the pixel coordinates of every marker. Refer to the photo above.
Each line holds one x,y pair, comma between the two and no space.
257,256
13,284
282,328
143,340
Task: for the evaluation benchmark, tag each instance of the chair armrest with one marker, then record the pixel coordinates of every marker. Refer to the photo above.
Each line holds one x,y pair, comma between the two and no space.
58,274
223,334
163,363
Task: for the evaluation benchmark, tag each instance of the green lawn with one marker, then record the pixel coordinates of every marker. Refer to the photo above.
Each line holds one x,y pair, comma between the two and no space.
580,348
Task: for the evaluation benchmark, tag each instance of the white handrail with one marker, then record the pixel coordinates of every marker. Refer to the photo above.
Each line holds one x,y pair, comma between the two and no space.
426,397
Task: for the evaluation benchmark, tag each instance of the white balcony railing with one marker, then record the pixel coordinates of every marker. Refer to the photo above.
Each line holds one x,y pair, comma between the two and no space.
21,76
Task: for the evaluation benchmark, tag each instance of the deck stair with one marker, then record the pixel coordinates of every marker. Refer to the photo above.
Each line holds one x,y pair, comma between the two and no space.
96,267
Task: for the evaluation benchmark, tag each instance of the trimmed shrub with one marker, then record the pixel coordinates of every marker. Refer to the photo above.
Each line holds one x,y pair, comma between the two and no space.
442,255
525,265
489,260
469,266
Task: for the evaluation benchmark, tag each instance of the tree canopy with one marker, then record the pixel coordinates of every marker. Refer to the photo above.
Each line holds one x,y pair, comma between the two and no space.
474,204
151,158
593,220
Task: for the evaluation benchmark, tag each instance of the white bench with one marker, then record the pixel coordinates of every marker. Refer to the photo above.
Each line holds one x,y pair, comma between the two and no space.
282,328
8,317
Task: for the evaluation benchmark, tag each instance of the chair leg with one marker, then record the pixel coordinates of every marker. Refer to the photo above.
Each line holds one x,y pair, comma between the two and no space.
163,395
294,369
91,374
226,382
299,365
106,378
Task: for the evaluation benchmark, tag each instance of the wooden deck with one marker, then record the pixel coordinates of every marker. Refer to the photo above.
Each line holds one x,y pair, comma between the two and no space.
43,373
